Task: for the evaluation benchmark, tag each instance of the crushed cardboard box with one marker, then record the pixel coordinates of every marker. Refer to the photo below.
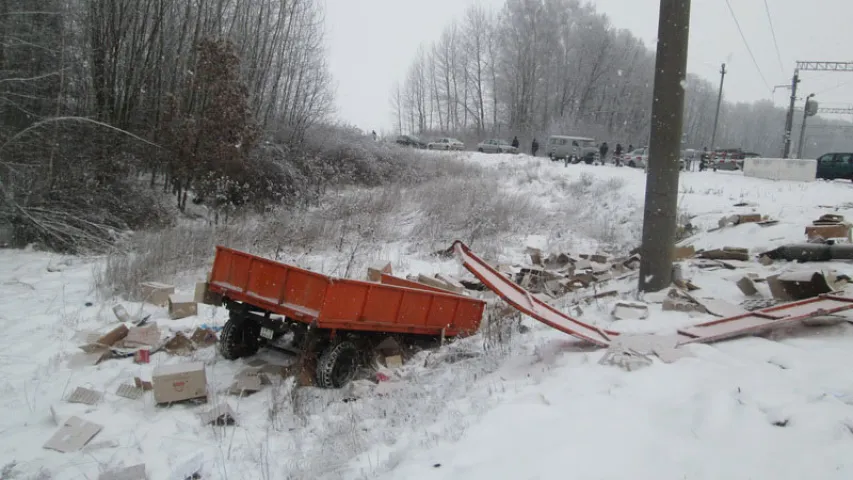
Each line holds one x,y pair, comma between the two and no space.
148,335
135,472
156,293
181,307
203,337
73,435
179,345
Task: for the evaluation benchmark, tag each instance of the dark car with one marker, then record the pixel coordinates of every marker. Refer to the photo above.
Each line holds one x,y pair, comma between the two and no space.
835,165
410,141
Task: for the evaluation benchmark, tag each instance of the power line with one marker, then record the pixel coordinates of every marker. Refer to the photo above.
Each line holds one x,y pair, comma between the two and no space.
839,85
743,37
773,32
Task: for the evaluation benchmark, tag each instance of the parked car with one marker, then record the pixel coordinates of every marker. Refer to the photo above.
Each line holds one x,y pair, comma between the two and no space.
639,158
496,145
410,141
446,144
835,165
571,149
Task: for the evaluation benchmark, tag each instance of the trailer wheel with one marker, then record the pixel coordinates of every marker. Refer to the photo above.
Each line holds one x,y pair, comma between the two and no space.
239,338
337,365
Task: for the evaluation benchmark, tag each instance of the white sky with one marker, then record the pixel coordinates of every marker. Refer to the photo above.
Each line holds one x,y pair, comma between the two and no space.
371,44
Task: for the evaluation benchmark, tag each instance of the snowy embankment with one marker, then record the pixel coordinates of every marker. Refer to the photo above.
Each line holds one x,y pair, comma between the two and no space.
535,405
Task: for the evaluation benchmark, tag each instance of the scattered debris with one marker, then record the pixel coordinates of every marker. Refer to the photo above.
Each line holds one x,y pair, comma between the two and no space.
630,311
624,358
136,472
665,347
726,253
181,307
453,283
179,344
176,383
142,384
394,361
747,286
739,219
203,337
156,293
811,252
220,415
73,435
682,305
129,391
753,304
85,396
246,384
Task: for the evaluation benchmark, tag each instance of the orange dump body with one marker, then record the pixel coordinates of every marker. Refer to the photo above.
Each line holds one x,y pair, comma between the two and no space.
341,304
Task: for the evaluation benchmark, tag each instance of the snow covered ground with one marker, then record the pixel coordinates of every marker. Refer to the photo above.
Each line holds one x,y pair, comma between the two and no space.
537,406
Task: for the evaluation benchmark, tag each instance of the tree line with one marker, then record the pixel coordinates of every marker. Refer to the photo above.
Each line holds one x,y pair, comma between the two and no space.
96,94
540,67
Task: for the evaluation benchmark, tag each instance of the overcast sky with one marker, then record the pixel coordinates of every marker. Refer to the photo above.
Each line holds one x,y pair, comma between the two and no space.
371,43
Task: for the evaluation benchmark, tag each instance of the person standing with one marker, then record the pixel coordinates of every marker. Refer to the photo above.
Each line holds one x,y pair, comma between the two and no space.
602,150
515,142
617,153
534,147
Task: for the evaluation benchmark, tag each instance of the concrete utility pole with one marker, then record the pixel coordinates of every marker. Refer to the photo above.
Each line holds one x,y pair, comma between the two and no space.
789,120
659,216
809,110
719,102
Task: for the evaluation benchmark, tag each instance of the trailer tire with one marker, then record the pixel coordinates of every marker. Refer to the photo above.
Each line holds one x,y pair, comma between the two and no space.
337,365
239,338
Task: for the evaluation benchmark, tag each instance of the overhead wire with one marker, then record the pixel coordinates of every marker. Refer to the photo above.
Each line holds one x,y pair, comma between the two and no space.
773,33
748,49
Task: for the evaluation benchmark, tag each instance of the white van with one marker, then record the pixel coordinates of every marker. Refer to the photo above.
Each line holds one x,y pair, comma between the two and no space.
571,149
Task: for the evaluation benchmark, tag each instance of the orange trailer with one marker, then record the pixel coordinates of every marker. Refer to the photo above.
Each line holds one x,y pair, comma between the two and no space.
267,300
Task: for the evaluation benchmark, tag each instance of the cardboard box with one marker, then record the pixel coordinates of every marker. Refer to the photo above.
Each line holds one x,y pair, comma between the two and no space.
838,230
205,296
374,274
181,307
176,383
680,253
156,293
